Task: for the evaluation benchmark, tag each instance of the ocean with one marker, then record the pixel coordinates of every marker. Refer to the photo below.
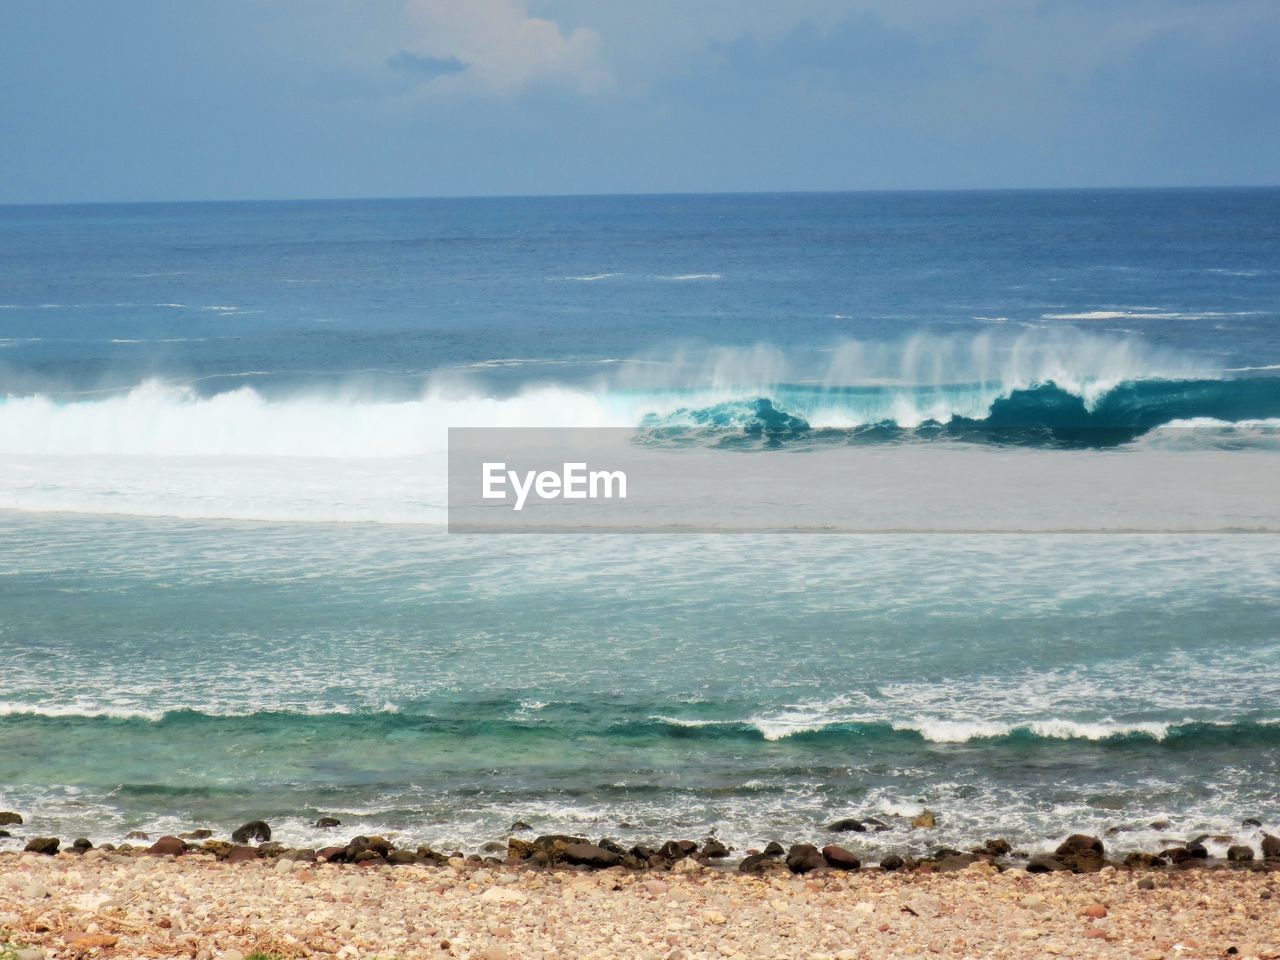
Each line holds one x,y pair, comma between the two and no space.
226,592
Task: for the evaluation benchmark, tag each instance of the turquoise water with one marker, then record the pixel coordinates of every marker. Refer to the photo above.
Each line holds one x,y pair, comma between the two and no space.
225,594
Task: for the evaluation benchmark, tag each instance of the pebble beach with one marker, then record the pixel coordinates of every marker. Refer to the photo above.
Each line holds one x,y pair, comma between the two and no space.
112,904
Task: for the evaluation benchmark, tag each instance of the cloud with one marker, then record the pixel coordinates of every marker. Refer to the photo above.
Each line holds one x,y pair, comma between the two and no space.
499,48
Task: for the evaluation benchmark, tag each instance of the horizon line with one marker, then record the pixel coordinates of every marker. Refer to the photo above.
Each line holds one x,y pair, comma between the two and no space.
642,194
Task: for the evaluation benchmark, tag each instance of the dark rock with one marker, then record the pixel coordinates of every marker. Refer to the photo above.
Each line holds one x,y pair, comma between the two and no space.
714,849
1239,853
520,825
642,852
5,833
136,835
1251,822
328,823
957,862
1045,864
941,853
10,819
239,853
493,846
1081,853
759,863
678,849
1139,859
402,857
427,855
201,834
368,856
590,855
612,845
271,850
633,863
892,862
1160,825
840,858
849,824
81,844
774,849
804,857
332,854
305,854
167,847
1146,883
875,824
1197,850
1175,854
251,831
45,845
997,848
1270,847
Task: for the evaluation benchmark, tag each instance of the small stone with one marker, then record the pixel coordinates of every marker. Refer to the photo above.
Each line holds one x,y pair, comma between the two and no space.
1095,911
1146,883
328,823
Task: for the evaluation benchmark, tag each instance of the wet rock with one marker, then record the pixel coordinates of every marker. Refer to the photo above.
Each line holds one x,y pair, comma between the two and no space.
251,831
957,862
1239,853
45,845
271,850
332,854
840,858
402,857
1146,883
759,863
10,819
1197,850
520,826
1160,825
804,857
927,820
367,856
872,823
892,862
714,849
774,849
1139,859
1045,864
240,853
136,835
81,844
427,855
1251,822
493,846
167,847
590,855
200,834
643,852
5,833
678,849
328,823
1175,854
1270,847
996,848
608,844
1082,853
849,824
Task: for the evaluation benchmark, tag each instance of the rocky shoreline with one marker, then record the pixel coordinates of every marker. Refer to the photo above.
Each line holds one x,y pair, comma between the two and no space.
1078,853
554,897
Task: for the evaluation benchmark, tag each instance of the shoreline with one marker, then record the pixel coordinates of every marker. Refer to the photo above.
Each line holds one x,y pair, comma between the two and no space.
130,904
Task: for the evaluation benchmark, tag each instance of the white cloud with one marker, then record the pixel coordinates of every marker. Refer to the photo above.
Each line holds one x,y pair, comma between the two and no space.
501,49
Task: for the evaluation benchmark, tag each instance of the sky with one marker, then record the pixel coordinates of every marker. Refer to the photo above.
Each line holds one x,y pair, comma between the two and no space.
254,99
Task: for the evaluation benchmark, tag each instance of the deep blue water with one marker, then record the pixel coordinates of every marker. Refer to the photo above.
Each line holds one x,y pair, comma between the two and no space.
223,593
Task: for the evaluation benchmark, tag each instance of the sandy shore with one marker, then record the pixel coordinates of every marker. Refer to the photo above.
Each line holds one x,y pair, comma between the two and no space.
194,906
